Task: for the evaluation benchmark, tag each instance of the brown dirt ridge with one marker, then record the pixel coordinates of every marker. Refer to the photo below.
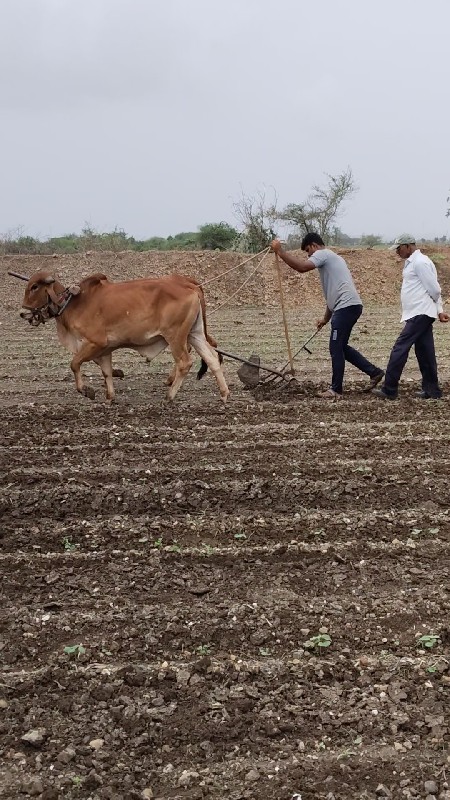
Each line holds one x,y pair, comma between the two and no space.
377,273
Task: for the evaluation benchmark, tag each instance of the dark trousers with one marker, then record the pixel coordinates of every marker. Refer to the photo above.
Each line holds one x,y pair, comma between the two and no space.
342,322
418,331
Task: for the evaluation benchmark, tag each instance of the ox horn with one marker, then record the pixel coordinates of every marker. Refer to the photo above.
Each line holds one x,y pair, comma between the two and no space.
48,281
18,275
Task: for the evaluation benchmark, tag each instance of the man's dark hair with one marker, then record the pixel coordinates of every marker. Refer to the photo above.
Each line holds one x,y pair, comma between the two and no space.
311,238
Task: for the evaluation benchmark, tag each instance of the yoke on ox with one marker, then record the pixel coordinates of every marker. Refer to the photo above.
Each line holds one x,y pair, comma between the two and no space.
148,315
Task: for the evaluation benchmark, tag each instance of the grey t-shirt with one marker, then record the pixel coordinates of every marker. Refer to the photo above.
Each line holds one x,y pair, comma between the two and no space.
335,277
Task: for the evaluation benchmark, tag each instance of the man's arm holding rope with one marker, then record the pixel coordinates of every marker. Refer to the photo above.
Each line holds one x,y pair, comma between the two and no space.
299,264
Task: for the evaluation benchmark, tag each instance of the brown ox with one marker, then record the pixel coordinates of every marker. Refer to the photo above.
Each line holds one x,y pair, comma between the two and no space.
148,315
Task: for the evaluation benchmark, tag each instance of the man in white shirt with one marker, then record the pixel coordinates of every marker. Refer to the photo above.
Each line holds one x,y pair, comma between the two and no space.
421,306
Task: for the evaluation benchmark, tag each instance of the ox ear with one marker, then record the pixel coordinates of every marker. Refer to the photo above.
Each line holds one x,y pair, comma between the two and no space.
48,281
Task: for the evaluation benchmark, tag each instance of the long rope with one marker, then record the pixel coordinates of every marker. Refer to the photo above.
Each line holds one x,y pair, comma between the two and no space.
241,264
213,311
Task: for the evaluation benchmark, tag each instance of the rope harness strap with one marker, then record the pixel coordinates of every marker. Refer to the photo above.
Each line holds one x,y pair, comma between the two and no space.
54,308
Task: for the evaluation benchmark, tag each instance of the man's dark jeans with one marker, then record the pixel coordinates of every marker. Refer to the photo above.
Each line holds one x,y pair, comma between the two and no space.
342,322
418,331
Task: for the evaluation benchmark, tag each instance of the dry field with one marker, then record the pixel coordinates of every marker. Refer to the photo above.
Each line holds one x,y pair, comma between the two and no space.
166,572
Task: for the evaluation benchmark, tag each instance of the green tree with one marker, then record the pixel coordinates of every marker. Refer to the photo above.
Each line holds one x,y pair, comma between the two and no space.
114,240
70,243
28,244
371,240
187,240
155,243
322,207
216,235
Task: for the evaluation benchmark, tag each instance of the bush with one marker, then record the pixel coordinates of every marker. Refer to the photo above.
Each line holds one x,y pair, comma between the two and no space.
217,236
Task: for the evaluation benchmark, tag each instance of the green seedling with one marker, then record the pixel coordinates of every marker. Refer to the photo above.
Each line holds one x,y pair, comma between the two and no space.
321,640
68,545
429,640
240,536
207,549
74,650
174,548
203,649
346,754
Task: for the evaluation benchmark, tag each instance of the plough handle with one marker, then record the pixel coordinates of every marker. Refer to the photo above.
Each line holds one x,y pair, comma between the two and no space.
303,347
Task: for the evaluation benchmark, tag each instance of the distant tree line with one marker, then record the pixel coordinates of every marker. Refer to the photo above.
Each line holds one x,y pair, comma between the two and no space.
259,221
211,236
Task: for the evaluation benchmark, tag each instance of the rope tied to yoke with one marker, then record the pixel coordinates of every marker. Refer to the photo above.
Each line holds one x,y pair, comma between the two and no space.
247,280
241,264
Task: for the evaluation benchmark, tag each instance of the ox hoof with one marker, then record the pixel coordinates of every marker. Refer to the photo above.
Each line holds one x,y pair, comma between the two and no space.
89,392
118,373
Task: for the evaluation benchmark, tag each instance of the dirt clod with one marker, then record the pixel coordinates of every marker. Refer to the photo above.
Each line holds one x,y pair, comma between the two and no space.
187,777
96,744
67,755
35,737
32,786
383,791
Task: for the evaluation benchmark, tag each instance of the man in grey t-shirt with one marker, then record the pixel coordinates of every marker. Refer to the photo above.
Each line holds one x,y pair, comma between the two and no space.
344,308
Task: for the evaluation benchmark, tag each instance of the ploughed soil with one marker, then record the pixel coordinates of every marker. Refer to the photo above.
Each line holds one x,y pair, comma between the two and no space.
207,602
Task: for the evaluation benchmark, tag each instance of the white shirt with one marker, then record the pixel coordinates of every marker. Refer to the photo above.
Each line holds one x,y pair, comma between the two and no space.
421,293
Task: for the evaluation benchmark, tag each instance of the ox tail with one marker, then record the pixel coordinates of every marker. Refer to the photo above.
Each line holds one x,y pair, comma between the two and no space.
212,342
204,366
203,370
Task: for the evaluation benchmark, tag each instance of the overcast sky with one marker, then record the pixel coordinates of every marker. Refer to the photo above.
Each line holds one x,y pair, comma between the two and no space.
154,115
